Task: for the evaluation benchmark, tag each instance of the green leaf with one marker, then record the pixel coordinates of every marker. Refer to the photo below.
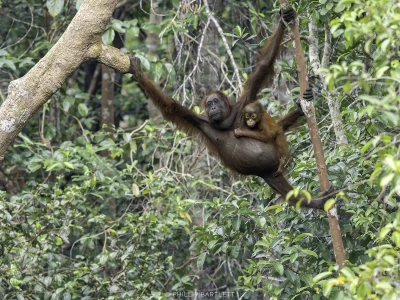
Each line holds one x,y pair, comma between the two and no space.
389,259
386,286
84,96
366,147
145,62
347,87
396,238
195,21
212,244
329,204
309,252
236,223
371,99
26,62
321,276
382,71
118,26
327,289
262,221
69,165
133,146
200,260
25,139
277,208
384,232
10,64
83,110
384,45
59,241
235,251
108,36
53,166
346,271
387,179
392,117
375,173
78,4
364,290
339,8
55,7
301,236
135,190
307,278
278,267
68,102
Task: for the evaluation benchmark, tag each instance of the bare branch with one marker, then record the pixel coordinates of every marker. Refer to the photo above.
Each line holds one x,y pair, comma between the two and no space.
111,57
228,49
198,59
313,45
327,46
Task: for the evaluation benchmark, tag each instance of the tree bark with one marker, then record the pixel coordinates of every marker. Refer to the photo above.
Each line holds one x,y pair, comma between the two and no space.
309,111
107,95
107,115
333,103
79,43
152,43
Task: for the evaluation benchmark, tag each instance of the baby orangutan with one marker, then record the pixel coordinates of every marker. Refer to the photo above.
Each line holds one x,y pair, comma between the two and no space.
259,125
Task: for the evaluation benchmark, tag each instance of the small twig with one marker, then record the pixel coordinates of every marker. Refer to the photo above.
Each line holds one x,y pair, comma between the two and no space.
139,128
93,82
228,49
327,47
80,125
198,59
27,32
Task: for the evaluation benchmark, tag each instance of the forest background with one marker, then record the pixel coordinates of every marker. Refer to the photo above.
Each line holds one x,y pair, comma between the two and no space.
101,199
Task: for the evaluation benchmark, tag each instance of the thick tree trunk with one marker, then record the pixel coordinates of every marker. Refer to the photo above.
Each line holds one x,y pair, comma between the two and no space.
80,42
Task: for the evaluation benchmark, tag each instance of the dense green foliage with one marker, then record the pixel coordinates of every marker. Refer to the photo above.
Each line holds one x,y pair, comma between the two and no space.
157,215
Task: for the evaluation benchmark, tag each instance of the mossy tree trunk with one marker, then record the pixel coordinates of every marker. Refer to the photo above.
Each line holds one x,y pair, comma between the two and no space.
79,43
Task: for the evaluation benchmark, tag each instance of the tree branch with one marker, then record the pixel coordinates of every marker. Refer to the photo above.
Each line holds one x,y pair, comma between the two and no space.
309,111
111,57
79,43
333,103
228,49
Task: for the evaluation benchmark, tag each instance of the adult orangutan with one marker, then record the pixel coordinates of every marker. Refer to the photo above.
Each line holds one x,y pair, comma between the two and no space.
216,128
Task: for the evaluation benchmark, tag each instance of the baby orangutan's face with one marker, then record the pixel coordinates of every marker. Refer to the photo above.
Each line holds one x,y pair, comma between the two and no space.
251,119
252,115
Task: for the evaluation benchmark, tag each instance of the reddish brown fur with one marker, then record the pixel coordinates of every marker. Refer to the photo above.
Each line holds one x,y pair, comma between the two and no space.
265,130
245,156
